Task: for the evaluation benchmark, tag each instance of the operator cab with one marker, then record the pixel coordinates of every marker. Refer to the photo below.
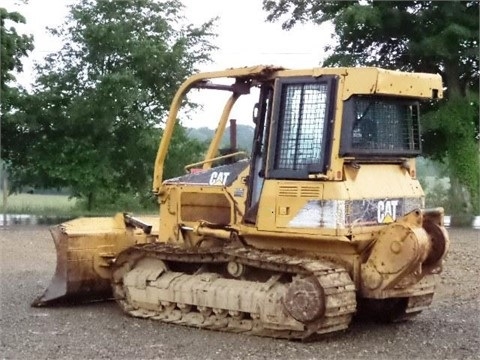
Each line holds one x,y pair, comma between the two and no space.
295,118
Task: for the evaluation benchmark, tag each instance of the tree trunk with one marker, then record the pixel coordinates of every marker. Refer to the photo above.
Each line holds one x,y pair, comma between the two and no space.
460,207
90,201
5,194
452,79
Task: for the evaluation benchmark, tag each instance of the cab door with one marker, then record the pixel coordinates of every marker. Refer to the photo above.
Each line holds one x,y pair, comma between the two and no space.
301,127
299,147
261,118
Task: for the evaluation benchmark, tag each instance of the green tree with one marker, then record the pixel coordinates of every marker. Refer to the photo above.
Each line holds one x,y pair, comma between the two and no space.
13,48
93,121
426,36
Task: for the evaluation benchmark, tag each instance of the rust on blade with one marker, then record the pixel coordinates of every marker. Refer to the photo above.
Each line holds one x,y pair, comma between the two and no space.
86,248
74,280
58,286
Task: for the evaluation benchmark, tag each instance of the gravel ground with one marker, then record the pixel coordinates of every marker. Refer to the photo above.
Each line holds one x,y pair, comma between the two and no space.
450,329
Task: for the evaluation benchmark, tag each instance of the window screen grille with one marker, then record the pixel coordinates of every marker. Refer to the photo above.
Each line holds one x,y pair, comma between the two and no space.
385,125
302,123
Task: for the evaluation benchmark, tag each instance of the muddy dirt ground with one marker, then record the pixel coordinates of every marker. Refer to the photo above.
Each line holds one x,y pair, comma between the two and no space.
450,329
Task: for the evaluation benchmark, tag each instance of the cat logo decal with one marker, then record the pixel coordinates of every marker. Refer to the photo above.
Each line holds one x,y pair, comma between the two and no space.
387,211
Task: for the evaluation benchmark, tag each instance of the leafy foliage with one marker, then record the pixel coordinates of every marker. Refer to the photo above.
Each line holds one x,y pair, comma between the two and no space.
93,122
426,36
13,48
451,135
431,36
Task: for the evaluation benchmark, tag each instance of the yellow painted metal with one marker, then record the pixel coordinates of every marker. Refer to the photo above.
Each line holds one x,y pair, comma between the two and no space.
248,72
193,214
209,160
352,81
370,80
398,257
217,138
342,182
348,182
336,168
177,205
85,249
396,182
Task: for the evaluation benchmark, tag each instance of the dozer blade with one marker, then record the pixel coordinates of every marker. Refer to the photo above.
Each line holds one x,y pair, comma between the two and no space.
86,248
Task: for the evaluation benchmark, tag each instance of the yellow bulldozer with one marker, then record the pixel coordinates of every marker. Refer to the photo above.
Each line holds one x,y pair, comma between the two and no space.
324,219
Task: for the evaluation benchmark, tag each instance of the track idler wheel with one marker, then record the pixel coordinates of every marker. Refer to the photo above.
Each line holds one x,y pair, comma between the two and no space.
305,299
438,243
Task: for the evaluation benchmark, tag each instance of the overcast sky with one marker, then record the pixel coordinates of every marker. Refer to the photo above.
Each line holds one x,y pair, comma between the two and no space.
244,38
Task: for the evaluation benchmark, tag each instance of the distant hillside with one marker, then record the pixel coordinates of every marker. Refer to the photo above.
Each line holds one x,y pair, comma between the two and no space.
244,136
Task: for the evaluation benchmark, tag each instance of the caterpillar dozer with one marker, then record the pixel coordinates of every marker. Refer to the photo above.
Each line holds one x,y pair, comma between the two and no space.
324,219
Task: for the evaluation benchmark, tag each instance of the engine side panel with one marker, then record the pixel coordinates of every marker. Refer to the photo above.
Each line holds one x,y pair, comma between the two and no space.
373,195
216,196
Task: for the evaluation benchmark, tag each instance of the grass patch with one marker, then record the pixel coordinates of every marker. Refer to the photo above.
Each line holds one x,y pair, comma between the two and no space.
63,206
39,204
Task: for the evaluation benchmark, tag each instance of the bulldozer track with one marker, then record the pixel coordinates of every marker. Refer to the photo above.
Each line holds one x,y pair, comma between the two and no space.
332,280
400,308
415,305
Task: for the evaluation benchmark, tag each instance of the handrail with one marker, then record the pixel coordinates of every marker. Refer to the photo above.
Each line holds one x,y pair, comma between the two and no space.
189,166
247,72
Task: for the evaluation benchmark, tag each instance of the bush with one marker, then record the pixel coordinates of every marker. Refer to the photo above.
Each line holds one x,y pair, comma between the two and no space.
124,202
